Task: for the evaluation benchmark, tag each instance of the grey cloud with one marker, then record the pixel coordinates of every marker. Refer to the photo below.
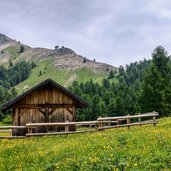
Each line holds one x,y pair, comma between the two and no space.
116,32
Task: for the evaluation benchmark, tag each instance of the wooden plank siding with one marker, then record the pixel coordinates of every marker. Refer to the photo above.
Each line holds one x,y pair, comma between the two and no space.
25,110
47,102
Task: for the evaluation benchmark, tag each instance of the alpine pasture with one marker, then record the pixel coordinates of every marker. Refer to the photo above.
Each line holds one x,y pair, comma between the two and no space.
139,148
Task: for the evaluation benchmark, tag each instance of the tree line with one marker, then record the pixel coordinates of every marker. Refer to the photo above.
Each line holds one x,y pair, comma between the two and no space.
140,87
136,88
11,76
15,74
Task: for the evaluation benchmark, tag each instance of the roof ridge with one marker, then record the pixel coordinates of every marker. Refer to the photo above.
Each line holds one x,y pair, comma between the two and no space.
81,103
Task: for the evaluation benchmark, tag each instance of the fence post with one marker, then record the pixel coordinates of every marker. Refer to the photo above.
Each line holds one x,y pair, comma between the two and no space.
11,133
139,120
128,121
30,130
99,123
66,126
117,122
154,119
109,123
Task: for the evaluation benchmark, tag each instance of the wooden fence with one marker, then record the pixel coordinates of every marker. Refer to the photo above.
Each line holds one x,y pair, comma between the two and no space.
66,124
8,130
120,120
101,123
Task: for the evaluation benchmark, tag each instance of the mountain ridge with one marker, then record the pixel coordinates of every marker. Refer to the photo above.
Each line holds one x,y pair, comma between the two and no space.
4,38
61,63
62,55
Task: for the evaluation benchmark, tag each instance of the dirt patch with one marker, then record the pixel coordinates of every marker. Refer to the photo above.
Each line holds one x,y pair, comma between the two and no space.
70,80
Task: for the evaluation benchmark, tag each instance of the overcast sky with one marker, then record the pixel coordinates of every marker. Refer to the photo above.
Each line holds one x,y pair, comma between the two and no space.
111,31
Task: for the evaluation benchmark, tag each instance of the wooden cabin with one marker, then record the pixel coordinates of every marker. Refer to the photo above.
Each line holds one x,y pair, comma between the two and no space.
46,102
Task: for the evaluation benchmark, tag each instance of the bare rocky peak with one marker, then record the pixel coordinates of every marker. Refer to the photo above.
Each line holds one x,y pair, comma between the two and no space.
62,58
4,38
63,51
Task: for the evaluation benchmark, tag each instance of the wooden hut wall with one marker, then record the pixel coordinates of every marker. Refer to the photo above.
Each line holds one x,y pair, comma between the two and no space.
44,95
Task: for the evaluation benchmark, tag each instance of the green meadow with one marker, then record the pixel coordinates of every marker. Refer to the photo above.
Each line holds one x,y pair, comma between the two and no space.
137,149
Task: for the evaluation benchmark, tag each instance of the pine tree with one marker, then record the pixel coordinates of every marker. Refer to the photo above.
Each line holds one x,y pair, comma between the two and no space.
13,92
112,108
96,107
152,94
111,74
56,48
21,49
121,70
84,60
106,83
10,63
156,89
40,73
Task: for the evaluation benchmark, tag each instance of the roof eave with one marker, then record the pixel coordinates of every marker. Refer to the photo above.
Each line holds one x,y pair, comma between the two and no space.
81,103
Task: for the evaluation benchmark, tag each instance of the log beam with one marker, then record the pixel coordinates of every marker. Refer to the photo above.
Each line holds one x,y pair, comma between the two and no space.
20,114
35,106
51,111
43,112
46,114
69,110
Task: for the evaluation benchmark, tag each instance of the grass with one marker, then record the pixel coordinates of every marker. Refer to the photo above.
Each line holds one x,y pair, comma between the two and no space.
140,148
13,50
47,70
46,67
3,124
6,121
85,74
63,77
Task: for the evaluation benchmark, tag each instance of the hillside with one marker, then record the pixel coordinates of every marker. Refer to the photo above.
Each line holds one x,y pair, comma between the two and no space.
61,64
141,148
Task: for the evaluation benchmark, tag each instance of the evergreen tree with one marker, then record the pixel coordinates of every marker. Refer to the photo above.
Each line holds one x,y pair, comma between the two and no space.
13,92
107,68
96,107
106,83
22,49
121,70
84,60
152,96
33,65
56,48
112,108
111,74
40,73
10,63
156,89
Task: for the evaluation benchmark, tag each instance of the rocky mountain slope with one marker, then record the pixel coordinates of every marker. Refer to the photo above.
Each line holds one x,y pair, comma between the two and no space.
52,62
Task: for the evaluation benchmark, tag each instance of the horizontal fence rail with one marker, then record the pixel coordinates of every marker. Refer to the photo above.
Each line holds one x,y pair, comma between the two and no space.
8,130
127,119
128,116
61,124
66,125
101,123
12,127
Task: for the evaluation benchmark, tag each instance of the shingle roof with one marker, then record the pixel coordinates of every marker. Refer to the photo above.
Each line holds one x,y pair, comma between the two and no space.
80,103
